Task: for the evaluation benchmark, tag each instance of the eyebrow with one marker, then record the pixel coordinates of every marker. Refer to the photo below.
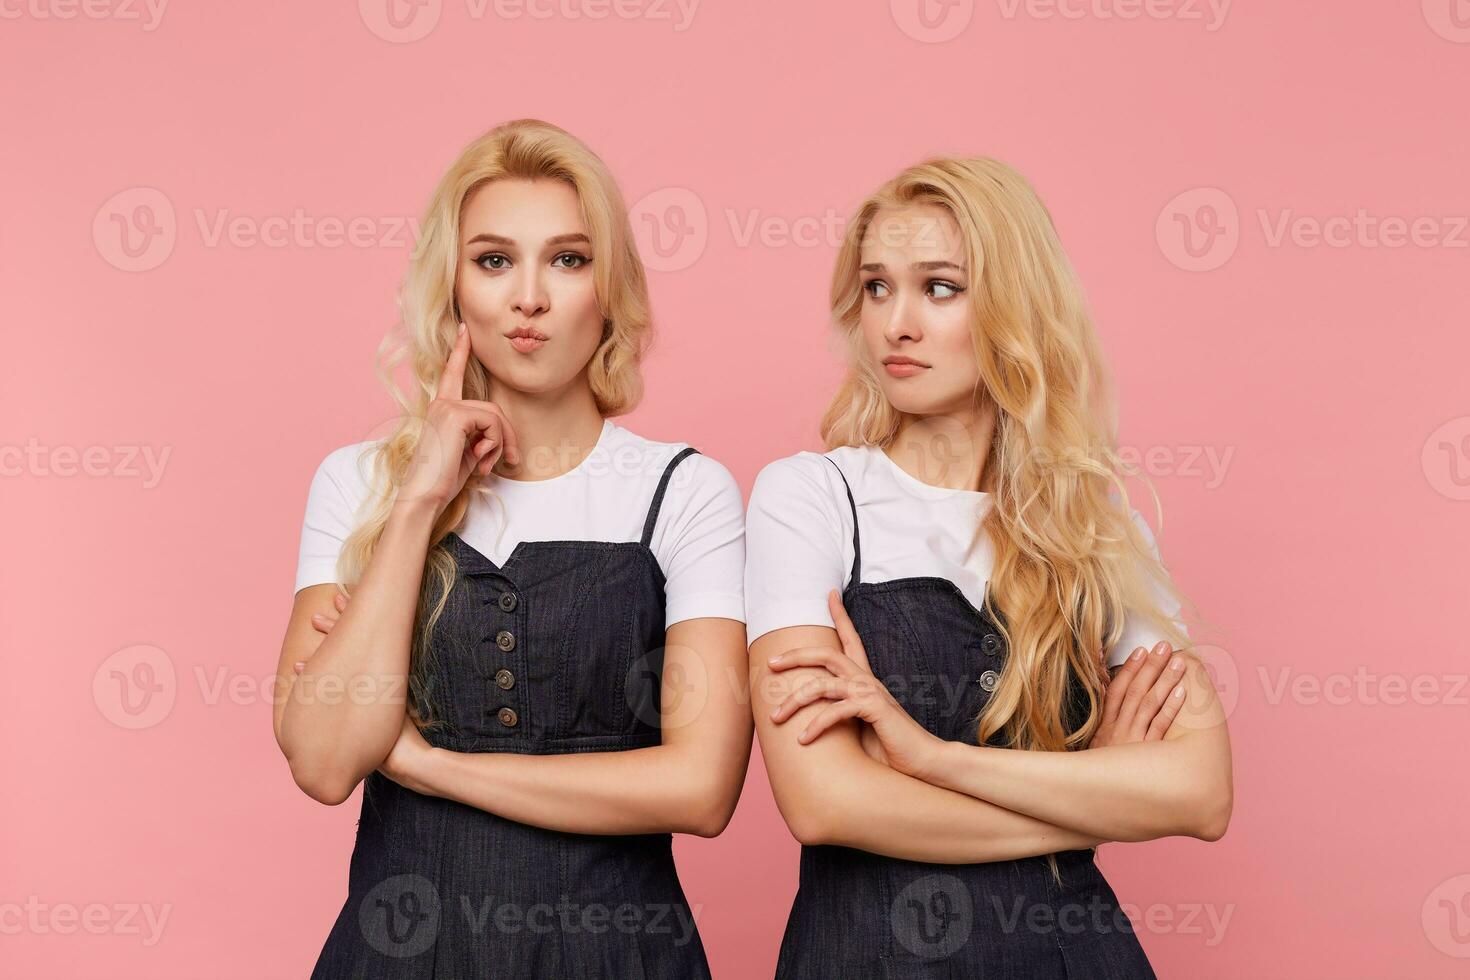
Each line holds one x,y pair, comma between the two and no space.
573,238
929,266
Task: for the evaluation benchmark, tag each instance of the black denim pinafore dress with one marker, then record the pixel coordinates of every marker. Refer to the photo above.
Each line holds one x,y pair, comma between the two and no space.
858,914
558,650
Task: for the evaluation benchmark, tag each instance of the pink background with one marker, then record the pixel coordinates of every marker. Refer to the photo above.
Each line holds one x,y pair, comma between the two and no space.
1326,381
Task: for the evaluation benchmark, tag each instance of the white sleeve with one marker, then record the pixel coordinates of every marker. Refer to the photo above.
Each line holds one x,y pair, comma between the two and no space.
794,545
700,541
1140,631
341,485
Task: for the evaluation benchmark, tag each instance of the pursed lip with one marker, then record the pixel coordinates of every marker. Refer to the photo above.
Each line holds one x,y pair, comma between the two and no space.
902,366
526,339
530,333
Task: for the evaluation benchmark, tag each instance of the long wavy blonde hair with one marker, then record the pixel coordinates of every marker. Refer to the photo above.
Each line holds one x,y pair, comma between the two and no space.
429,318
1068,559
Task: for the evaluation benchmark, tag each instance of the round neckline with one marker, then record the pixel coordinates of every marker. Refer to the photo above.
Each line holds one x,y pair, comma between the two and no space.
913,483
602,439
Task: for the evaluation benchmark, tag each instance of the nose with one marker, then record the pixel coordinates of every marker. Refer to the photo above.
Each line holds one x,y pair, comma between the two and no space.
530,298
903,321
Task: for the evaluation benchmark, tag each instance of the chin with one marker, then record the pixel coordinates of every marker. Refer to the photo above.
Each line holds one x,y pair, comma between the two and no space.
533,379
909,402
923,399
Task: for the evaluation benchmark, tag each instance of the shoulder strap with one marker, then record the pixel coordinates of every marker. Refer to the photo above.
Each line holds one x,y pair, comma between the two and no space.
658,495
857,551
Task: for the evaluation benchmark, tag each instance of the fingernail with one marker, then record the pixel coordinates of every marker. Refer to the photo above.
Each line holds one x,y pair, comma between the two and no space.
1177,663
775,660
1160,648
462,327
1136,654
1178,691
300,665
775,712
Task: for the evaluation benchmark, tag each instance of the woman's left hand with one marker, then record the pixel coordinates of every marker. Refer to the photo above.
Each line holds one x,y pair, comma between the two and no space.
854,692
408,760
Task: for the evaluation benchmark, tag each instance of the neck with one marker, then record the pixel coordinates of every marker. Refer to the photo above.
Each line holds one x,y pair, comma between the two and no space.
946,449
554,430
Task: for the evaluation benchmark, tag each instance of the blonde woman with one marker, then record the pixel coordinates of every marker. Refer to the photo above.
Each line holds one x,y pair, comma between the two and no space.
929,603
527,578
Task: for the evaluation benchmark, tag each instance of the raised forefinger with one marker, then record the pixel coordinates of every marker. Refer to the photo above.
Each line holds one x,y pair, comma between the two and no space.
451,382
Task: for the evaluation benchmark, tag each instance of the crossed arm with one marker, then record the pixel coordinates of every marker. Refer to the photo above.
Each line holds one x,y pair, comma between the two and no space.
831,791
689,783
1179,785
950,802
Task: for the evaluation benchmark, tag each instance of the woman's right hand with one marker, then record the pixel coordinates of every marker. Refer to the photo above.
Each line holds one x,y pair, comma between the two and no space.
1142,698
460,436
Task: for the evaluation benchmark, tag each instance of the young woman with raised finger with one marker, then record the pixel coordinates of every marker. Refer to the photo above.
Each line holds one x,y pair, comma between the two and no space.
526,579
930,603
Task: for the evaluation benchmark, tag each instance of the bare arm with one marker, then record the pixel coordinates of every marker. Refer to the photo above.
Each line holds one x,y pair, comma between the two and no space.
688,784
341,713
1141,782
340,716
1180,785
831,791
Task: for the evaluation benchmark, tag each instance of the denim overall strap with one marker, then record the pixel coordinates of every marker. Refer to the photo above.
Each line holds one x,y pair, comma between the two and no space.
857,551
658,495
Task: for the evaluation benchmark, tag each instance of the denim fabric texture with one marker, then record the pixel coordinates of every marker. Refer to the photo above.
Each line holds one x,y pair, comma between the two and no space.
858,914
558,650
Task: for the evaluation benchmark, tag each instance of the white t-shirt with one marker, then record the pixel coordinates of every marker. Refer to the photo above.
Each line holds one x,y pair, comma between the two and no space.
799,539
698,539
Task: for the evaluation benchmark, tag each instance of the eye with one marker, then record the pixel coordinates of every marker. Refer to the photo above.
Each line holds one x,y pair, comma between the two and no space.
577,260
497,260
872,287
939,289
